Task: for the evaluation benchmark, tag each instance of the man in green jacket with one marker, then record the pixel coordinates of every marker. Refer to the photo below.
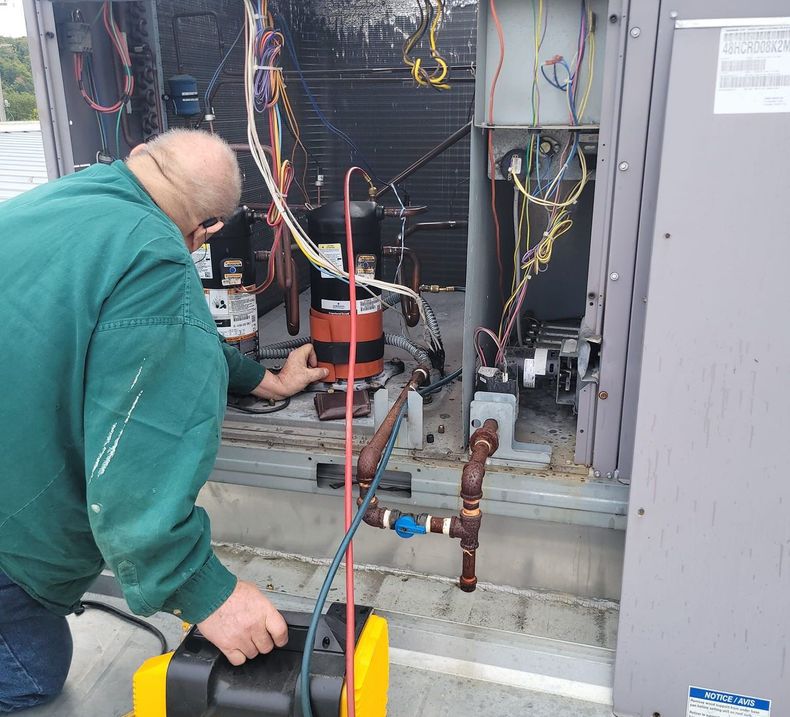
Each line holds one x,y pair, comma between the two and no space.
114,386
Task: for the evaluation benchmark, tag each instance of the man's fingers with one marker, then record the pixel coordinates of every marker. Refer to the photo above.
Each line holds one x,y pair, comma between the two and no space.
235,657
262,640
316,374
277,628
302,354
312,359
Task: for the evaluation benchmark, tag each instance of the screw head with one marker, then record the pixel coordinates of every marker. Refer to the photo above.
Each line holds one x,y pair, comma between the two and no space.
623,166
635,32
597,474
603,395
614,276
667,235
613,18
640,512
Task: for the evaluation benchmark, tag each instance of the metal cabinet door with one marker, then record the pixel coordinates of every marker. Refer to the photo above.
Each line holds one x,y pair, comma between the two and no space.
706,585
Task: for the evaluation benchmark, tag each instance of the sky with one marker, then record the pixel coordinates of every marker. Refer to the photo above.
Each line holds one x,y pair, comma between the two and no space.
12,19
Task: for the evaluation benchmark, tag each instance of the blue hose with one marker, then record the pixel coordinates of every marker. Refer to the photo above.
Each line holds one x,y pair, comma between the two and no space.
307,657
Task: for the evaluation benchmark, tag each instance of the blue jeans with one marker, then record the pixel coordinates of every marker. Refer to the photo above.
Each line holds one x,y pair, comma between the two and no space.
35,650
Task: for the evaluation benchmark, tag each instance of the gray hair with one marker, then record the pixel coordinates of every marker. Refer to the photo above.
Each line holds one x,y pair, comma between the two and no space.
202,169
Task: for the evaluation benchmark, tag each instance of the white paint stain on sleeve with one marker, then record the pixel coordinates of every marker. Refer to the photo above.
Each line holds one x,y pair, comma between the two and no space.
108,450
137,376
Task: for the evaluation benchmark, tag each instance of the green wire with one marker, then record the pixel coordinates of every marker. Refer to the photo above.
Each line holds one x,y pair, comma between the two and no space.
118,134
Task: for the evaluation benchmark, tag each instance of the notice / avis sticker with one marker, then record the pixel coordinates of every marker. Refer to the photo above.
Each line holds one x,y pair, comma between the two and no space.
753,74
712,703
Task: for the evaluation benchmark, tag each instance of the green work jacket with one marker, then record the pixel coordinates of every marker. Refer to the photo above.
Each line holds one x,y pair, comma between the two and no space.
114,384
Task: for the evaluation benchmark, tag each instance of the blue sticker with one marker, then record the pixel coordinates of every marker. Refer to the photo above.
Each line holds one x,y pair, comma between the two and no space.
703,702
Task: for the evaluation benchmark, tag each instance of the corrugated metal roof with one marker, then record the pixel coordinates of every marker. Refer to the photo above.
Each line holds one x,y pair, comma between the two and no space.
22,163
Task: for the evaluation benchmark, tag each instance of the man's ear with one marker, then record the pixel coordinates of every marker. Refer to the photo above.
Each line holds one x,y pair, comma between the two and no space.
194,240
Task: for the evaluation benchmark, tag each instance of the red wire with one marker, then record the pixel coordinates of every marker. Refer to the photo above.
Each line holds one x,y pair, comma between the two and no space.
492,162
349,479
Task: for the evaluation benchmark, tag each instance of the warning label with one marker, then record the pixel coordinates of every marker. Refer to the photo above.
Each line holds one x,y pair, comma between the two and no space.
234,312
364,306
333,253
712,703
202,260
753,74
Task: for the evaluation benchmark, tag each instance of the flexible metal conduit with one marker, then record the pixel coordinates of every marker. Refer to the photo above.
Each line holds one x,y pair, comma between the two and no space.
391,299
282,349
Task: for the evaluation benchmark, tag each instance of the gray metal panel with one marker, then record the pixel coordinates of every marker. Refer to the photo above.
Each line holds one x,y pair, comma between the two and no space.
48,81
581,561
561,38
616,281
706,587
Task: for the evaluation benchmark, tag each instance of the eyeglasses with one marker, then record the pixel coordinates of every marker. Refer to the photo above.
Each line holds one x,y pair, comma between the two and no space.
210,222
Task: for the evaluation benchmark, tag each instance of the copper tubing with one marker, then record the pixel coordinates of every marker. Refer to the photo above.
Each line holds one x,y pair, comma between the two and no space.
370,456
411,312
292,302
436,226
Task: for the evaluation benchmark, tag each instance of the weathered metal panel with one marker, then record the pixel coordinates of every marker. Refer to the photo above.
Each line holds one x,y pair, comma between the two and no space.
706,585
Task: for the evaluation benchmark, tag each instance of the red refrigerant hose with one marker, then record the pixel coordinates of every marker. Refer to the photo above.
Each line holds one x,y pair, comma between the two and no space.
349,467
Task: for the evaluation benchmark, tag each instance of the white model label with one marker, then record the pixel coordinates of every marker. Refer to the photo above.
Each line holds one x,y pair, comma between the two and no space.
234,312
333,253
713,703
202,259
364,306
753,75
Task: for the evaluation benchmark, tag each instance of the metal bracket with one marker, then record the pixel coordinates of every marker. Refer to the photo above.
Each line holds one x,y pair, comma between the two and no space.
503,407
411,434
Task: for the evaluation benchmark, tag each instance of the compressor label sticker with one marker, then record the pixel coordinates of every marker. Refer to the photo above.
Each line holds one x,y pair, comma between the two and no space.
712,703
364,306
753,74
333,253
202,260
234,312
231,272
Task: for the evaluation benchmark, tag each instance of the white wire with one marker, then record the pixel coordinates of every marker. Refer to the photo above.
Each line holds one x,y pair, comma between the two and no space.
303,241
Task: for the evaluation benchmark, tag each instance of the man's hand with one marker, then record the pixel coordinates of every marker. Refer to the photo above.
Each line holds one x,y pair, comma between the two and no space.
245,625
298,372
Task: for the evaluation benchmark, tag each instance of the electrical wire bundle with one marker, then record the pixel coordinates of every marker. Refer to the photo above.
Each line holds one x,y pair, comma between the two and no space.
430,19
547,195
83,73
275,173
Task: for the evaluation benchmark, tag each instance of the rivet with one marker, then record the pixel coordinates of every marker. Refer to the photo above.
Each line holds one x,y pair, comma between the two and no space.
603,395
597,474
623,166
609,476
667,236
635,32
614,276
641,511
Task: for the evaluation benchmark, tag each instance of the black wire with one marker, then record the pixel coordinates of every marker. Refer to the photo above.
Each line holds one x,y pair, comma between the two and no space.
133,619
271,409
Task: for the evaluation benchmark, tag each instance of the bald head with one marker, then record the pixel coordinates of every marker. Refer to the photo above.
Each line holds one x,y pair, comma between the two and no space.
191,174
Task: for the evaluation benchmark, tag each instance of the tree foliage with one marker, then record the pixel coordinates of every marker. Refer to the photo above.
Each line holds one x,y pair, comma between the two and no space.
17,78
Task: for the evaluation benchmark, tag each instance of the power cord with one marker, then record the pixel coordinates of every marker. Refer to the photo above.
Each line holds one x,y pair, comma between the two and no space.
132,619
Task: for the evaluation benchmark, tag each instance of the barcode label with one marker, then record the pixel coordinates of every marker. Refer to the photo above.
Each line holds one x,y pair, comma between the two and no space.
753,65
753,73
735,81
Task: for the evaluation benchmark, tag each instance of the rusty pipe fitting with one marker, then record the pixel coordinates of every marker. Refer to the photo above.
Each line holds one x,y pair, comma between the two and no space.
466,526
411,312
370,455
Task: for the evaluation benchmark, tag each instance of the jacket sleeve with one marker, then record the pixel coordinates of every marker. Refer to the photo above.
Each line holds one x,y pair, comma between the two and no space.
155,392
244,373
